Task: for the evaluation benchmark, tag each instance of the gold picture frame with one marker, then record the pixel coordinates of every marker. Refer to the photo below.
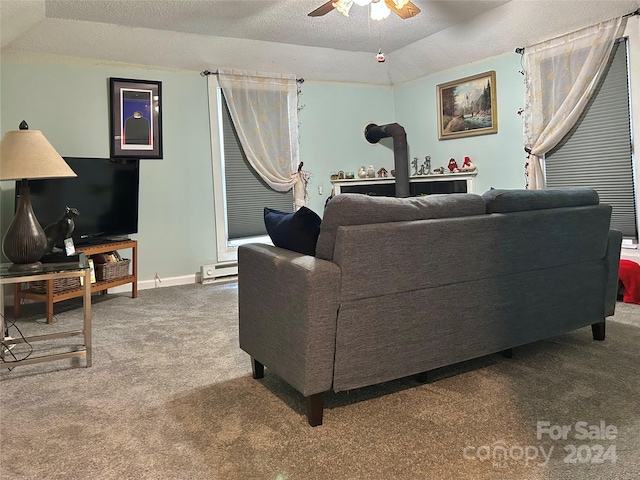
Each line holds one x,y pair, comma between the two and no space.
468,106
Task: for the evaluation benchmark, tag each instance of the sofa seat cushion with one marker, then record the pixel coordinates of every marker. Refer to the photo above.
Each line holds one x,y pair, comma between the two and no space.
356,209
508,201
297,231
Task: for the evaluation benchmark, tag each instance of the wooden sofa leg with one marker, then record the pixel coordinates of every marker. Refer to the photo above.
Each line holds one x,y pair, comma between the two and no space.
257,368
315,406
598,331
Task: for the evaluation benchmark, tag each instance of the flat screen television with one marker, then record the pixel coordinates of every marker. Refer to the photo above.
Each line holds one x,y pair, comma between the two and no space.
105,192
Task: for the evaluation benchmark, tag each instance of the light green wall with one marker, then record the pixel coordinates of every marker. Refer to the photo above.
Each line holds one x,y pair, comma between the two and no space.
333,118
68,101
176,235
69,104
332,123
500,157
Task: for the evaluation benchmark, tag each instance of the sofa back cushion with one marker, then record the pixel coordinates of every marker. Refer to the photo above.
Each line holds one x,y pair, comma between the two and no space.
396,258
508,201
356,209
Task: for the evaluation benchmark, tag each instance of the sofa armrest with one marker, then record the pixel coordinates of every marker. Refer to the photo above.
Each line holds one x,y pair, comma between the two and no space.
612,257
288,304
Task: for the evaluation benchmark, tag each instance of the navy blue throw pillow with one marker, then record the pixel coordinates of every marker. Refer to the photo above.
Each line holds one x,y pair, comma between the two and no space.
297,231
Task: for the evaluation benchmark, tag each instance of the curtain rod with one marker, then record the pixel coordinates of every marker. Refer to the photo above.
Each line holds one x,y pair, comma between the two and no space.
207,72
520,50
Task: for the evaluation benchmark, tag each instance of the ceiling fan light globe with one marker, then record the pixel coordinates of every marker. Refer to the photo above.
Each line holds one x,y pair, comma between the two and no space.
343,6
379,11
400,3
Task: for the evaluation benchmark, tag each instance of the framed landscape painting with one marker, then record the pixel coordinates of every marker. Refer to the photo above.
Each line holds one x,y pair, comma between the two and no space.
136,118
467,106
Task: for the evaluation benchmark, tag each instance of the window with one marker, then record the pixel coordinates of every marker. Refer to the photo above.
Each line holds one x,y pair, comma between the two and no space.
246,193
597,152
240,194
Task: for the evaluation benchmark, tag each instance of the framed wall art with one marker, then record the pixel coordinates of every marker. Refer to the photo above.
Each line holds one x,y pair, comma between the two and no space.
467,106
135,118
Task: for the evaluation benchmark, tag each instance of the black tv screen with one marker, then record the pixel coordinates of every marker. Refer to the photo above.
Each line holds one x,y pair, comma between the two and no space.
105,192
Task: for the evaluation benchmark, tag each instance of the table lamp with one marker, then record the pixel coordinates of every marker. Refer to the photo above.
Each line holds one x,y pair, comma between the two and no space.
26,154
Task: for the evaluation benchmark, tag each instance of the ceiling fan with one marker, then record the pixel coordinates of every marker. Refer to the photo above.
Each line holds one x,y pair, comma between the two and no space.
403,8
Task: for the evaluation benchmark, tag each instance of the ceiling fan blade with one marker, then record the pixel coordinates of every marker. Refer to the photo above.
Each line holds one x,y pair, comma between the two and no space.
322,10
408,11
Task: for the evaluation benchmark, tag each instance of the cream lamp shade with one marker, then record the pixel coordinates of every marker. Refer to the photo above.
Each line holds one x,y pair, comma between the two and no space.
28,154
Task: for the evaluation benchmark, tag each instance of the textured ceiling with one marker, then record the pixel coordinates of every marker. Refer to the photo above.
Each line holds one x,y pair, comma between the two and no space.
278,36
276,21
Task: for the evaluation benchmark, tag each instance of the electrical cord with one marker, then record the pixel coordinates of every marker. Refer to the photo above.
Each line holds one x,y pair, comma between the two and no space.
7,348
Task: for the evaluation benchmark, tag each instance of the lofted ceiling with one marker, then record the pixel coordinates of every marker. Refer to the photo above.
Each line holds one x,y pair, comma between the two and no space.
278,36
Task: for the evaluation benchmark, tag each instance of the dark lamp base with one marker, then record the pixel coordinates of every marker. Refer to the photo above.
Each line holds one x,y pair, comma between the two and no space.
25,240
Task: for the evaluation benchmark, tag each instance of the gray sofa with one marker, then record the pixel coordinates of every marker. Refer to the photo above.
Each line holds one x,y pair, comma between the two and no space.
399,287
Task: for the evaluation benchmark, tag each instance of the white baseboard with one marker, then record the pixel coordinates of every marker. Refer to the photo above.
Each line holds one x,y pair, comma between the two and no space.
146,284
158,282
169,282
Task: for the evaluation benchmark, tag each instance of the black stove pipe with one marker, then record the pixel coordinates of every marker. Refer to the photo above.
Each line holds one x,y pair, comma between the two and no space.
373,133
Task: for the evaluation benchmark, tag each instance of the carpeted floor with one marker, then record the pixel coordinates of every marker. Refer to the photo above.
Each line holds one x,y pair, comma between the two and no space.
170,396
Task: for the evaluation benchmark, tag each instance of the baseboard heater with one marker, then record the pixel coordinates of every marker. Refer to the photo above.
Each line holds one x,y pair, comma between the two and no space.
217,272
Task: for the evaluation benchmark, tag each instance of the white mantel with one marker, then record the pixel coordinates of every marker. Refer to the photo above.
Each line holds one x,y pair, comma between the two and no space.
469,177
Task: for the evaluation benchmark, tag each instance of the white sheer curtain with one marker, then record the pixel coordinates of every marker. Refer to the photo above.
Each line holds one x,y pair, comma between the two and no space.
264,110
560,77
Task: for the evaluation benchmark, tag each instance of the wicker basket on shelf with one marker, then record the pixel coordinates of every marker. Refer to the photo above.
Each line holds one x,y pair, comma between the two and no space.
59,285
111,271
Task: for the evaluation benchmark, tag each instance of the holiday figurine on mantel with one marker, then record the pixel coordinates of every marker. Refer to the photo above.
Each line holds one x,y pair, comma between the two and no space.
425,168
427,165
414,164
468,165
453,166
371,172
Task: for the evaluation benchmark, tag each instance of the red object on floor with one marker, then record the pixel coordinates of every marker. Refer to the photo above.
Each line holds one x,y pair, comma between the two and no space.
630,277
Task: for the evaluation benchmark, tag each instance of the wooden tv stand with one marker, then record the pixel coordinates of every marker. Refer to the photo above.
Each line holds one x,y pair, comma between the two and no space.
99,286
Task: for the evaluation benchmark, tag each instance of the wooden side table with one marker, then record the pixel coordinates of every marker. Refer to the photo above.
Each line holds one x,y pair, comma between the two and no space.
49,271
